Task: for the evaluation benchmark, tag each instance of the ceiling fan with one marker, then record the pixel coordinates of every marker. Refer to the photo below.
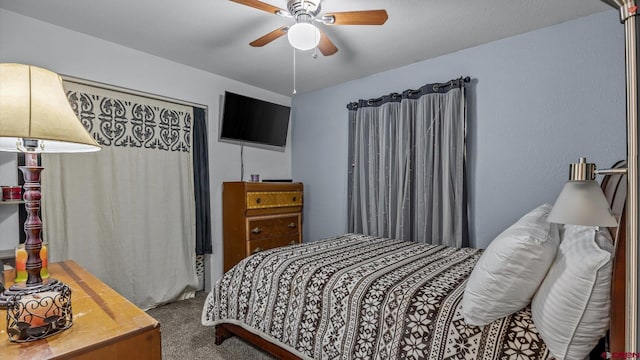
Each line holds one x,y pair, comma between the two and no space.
303,34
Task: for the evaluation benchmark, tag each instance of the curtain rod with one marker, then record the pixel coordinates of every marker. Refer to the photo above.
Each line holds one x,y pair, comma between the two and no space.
131,91
466,79
409,93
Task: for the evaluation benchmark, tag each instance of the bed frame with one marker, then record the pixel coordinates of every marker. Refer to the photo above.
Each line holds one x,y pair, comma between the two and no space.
615,189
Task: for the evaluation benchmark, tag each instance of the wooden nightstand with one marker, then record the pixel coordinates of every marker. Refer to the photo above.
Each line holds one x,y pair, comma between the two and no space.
105,325
259,216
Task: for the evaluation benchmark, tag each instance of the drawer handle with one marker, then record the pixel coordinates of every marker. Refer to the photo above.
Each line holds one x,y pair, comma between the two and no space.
293,242
257,250
292,225
258,201
294,199
256,230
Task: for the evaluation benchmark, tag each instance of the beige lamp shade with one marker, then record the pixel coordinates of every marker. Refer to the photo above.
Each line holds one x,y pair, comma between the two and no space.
582,203
33,105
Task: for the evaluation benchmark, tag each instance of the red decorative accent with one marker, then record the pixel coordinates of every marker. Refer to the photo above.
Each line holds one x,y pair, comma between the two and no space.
633,9
11,193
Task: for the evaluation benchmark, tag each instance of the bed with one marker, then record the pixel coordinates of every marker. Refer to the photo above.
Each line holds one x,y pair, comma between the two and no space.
360,297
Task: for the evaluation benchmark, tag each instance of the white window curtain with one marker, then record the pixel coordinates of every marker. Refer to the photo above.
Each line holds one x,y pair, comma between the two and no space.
407,165
127,212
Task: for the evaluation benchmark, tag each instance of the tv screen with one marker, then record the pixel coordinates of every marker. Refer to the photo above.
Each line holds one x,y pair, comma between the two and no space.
254,121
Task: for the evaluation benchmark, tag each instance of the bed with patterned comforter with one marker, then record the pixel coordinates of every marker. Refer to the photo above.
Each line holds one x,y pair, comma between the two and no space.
361,297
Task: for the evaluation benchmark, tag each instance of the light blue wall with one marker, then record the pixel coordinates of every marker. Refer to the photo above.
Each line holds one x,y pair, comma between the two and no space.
538,101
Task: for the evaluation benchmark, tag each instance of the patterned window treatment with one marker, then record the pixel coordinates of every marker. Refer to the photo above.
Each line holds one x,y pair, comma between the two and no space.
127,212
407,165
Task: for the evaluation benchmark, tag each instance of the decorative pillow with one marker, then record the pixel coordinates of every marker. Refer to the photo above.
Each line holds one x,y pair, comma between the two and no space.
511,268
571,308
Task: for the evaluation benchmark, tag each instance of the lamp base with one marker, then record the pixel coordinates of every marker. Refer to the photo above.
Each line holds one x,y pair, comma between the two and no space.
22,288
37,311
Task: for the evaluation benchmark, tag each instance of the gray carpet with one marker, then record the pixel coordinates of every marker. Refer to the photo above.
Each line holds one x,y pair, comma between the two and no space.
183,337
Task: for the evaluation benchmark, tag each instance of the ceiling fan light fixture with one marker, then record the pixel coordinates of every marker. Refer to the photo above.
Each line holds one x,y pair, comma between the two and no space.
303,36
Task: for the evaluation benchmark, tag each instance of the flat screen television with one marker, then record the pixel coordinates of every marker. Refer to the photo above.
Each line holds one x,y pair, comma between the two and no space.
254,122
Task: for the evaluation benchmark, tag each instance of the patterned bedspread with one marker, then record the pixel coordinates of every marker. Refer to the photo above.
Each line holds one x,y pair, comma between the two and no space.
360,297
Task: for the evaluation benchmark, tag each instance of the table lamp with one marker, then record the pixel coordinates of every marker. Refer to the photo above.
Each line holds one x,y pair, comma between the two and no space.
36,117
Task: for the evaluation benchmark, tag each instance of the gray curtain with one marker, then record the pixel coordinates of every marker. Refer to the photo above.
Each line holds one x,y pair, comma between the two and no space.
407,165
201,182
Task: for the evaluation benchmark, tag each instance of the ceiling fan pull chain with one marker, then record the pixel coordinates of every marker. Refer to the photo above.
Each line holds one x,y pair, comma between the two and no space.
315,49
294,71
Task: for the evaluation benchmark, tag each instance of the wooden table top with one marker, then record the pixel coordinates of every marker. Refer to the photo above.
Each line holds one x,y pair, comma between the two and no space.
101,316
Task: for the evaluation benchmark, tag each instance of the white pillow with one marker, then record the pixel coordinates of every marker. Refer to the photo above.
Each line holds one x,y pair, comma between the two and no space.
510,270
571,308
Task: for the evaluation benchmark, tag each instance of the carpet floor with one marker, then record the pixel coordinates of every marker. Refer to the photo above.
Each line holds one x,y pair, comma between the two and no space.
184,337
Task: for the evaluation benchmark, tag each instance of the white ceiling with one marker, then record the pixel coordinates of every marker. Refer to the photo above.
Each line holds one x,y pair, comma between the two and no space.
214,35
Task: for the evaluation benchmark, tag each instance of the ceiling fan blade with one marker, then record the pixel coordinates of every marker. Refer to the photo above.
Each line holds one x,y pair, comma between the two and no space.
261,6
264,40
326,46
366,17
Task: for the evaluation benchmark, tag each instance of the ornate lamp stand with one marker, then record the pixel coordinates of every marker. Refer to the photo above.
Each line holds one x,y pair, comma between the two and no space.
35,309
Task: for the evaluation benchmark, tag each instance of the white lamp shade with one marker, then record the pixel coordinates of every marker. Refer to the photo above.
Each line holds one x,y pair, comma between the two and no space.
303,36
582,203
33,105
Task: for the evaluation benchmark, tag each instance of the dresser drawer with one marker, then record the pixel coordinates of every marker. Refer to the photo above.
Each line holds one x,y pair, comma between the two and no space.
273,199
266,244
273,227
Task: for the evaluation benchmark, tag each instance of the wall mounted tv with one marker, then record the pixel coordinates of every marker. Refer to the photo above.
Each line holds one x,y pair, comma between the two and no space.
254,122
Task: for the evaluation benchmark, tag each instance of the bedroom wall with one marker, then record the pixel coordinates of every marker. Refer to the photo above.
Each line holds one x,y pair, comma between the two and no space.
537,102
30,41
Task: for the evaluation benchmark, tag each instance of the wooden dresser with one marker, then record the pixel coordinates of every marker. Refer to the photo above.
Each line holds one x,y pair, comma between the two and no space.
105,325
259,216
